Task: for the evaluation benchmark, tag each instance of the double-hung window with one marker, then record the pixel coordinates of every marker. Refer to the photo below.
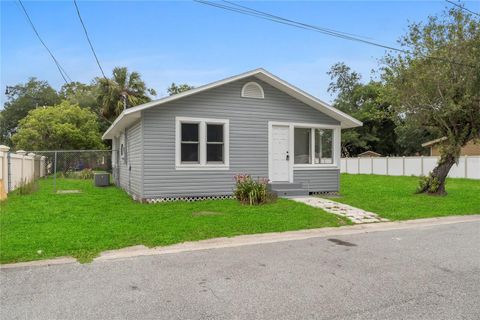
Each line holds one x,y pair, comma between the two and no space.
202,143
313,146
215,144
190,143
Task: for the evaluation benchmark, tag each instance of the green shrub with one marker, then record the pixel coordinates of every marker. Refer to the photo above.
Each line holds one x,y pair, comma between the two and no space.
26,187
84,174
252,192
428,184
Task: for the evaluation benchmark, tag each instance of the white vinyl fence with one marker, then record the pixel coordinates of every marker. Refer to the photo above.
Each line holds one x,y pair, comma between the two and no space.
19,167
467,167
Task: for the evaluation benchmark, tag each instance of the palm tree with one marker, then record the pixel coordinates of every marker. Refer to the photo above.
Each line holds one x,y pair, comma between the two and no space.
123,90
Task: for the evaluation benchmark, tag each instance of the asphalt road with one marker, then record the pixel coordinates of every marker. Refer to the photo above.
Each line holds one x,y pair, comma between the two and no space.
428,273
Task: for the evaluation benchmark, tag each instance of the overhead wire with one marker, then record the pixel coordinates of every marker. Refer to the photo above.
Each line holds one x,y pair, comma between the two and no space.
230,6
88,38
292,21
61,70
463,8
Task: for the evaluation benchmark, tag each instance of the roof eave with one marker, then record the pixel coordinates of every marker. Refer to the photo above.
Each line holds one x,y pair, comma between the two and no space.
351,124
123,120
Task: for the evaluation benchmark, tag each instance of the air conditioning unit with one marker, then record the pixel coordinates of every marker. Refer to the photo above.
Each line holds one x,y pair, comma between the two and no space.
102,179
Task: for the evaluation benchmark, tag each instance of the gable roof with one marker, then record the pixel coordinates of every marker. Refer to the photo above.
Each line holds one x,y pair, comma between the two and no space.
130,115
370,153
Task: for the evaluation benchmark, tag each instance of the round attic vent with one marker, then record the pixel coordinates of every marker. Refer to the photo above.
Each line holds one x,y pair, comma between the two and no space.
252,90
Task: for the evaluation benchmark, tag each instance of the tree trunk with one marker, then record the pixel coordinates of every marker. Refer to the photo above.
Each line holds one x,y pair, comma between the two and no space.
441,171
435,183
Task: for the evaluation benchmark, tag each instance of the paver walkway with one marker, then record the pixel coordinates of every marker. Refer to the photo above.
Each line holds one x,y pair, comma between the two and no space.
355,214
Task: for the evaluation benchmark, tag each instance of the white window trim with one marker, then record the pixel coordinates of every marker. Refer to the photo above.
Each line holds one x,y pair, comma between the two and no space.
202,139
322,166
255,84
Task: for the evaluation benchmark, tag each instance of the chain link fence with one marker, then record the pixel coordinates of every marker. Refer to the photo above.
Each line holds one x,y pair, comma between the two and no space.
77,164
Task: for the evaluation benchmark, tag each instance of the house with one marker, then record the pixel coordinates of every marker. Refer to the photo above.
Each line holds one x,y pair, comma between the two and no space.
368,154
470,149
190,145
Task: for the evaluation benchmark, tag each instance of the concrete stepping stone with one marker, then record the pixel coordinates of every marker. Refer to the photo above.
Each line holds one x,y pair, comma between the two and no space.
356,215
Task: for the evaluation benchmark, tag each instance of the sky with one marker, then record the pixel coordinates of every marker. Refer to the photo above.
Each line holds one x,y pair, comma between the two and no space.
187,42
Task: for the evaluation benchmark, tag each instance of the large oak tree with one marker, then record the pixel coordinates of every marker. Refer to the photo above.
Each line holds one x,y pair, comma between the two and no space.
436,85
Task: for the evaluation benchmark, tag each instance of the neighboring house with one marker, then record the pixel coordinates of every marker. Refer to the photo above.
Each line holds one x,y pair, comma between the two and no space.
470,149
368,154
190,145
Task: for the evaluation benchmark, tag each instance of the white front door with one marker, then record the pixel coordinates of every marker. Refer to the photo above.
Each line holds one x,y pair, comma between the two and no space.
280,153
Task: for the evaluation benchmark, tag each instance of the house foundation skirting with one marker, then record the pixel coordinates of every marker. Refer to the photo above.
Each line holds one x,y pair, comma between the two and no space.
325,193
214,197
187,198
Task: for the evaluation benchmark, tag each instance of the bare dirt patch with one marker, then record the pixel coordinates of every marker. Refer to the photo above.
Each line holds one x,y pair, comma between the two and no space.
206,213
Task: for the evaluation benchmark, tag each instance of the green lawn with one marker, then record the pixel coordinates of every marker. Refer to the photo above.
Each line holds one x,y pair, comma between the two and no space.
45,225
394,198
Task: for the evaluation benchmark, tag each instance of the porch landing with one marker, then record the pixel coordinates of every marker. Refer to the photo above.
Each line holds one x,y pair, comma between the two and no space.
287,189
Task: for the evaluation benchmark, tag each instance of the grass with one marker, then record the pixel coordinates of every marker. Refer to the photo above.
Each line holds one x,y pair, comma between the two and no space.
394,198
44,225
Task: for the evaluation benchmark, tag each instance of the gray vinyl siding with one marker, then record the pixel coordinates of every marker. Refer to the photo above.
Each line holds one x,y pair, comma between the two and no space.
122,168
131,180
318,180
248,138
115,160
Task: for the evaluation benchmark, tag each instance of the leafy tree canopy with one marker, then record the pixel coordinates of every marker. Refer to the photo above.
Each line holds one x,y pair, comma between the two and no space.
437,85
85,95
64,126
174,88
104,97
22,98
367,103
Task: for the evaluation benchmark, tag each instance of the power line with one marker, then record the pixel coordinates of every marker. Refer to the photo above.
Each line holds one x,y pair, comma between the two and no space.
267,16
295,22
62,71
88,38
463,8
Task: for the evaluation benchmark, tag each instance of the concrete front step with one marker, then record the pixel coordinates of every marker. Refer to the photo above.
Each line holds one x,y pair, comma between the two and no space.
290,192
287,189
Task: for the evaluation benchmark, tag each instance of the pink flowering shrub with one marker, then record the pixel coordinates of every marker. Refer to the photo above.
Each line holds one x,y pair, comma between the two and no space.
250,191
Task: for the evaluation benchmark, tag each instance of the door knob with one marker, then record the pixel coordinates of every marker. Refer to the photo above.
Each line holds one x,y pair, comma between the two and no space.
288,156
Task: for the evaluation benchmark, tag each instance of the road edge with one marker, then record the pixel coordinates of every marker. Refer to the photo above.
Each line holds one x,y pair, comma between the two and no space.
252,239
